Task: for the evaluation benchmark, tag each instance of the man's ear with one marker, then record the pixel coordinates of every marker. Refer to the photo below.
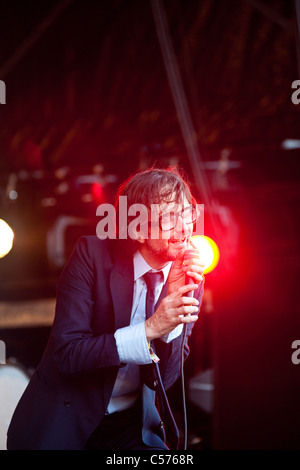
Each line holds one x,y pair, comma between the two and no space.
138,226
141,239
138,233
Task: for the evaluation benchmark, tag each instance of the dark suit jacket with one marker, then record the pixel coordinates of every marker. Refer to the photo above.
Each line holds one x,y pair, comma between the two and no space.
70,390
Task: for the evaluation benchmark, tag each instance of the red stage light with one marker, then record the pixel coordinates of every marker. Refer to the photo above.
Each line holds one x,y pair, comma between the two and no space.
97,191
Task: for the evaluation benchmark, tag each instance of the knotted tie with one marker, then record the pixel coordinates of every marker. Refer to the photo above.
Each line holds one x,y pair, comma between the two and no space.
152,280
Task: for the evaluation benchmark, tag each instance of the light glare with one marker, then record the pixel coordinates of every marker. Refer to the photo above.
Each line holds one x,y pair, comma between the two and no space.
208,250
6,238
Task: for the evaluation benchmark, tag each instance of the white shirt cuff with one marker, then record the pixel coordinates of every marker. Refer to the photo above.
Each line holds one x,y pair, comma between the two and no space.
132,344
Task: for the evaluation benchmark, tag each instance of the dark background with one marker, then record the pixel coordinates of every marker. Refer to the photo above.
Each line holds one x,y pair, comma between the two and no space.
88,94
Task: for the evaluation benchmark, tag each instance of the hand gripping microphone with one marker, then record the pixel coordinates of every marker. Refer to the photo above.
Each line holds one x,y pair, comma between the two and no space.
189,254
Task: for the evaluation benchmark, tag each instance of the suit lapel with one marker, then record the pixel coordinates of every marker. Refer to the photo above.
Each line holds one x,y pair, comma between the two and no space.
121,287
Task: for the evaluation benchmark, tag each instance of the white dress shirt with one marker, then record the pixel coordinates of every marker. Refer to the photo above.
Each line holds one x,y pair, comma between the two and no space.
131,340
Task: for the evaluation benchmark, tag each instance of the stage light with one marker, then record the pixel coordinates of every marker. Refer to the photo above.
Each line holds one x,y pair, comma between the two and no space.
208,250
290,144
97,192
6,238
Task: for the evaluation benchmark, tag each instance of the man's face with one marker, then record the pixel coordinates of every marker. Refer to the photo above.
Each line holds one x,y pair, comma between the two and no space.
166,243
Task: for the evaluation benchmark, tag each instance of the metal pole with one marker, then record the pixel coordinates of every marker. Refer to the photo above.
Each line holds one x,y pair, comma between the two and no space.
297,33
182,108
44,25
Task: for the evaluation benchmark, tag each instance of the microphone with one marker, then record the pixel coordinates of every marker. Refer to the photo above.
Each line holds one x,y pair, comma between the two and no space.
189,254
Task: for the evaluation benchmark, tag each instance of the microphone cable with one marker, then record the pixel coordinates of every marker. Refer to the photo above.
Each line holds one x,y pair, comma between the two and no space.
189,254
183,389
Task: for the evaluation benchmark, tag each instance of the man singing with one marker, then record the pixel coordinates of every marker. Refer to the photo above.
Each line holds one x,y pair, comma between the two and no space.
116,341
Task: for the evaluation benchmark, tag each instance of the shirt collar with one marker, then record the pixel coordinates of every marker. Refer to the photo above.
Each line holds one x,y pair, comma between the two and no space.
141,267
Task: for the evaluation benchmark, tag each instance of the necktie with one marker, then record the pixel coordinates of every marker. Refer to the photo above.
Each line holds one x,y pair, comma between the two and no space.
152,280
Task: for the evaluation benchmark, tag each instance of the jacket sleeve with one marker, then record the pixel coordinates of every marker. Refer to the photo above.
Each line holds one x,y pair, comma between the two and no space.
76,346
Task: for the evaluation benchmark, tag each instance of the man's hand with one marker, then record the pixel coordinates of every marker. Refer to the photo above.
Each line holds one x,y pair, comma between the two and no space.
172,311
193,268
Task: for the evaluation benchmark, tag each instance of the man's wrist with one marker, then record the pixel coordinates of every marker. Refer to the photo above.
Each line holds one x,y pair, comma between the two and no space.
149,331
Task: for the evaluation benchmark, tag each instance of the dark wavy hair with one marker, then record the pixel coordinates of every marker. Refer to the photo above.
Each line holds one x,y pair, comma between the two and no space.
155,186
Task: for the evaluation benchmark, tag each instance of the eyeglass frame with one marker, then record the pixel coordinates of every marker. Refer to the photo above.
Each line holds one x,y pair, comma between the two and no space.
195,213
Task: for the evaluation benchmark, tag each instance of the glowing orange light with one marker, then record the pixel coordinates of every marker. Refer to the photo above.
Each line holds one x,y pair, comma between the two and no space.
208,250
6,238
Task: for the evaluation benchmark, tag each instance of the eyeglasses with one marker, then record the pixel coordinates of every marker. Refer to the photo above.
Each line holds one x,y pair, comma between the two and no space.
168,220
